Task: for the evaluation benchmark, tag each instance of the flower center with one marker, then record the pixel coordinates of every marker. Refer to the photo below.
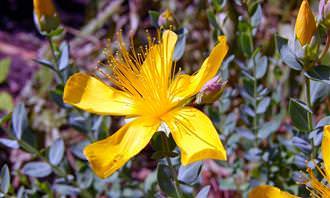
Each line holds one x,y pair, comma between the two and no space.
145,74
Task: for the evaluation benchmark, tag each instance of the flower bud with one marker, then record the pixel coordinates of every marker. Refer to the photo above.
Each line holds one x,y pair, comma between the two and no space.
211,91
305,24
45,16
166,18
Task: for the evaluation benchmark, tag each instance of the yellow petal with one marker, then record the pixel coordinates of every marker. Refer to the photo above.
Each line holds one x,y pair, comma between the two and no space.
160,56
326,150
265,191
92,95
305,23
195,135
108,155
184,87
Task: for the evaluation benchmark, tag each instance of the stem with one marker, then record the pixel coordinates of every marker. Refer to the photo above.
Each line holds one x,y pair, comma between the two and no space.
52,49
170,165
309,115
309,104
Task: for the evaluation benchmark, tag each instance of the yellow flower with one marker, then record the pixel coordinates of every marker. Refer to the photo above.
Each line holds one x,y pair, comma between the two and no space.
149,91
265,191
305,23
317,188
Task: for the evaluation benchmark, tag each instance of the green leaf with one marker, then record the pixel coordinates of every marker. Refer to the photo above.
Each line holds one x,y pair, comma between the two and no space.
324,121
261,67
63,62
56,152
19,120
64,189
180,44
6,103
257,16
280,42
319,91
290,58
4,179
263,105
9,143
46,64
37,169
319,73
164,180
154,15
78,148
189,174
85,179
213,20
299,114
204,192
158,145
4,69
245,41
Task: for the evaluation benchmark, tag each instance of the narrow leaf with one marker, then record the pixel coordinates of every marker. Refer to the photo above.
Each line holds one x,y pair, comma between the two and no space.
189,174
37,169
164,180
4,179
64,58
56,152
9,143
19,120
263,105
319,73
204,192
290,58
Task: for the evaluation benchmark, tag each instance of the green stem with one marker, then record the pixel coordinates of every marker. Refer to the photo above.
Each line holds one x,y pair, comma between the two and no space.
52,49
309,103
310,115
170,165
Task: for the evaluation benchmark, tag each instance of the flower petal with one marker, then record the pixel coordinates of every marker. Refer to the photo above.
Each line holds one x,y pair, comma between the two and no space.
326,149
160,56
195,135
92,95
265,191
184,87
108,155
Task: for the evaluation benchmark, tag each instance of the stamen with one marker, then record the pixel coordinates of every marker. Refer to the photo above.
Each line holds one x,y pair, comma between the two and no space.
145,73
317,188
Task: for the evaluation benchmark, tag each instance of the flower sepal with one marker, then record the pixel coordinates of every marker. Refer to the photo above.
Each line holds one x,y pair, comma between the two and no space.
211,91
